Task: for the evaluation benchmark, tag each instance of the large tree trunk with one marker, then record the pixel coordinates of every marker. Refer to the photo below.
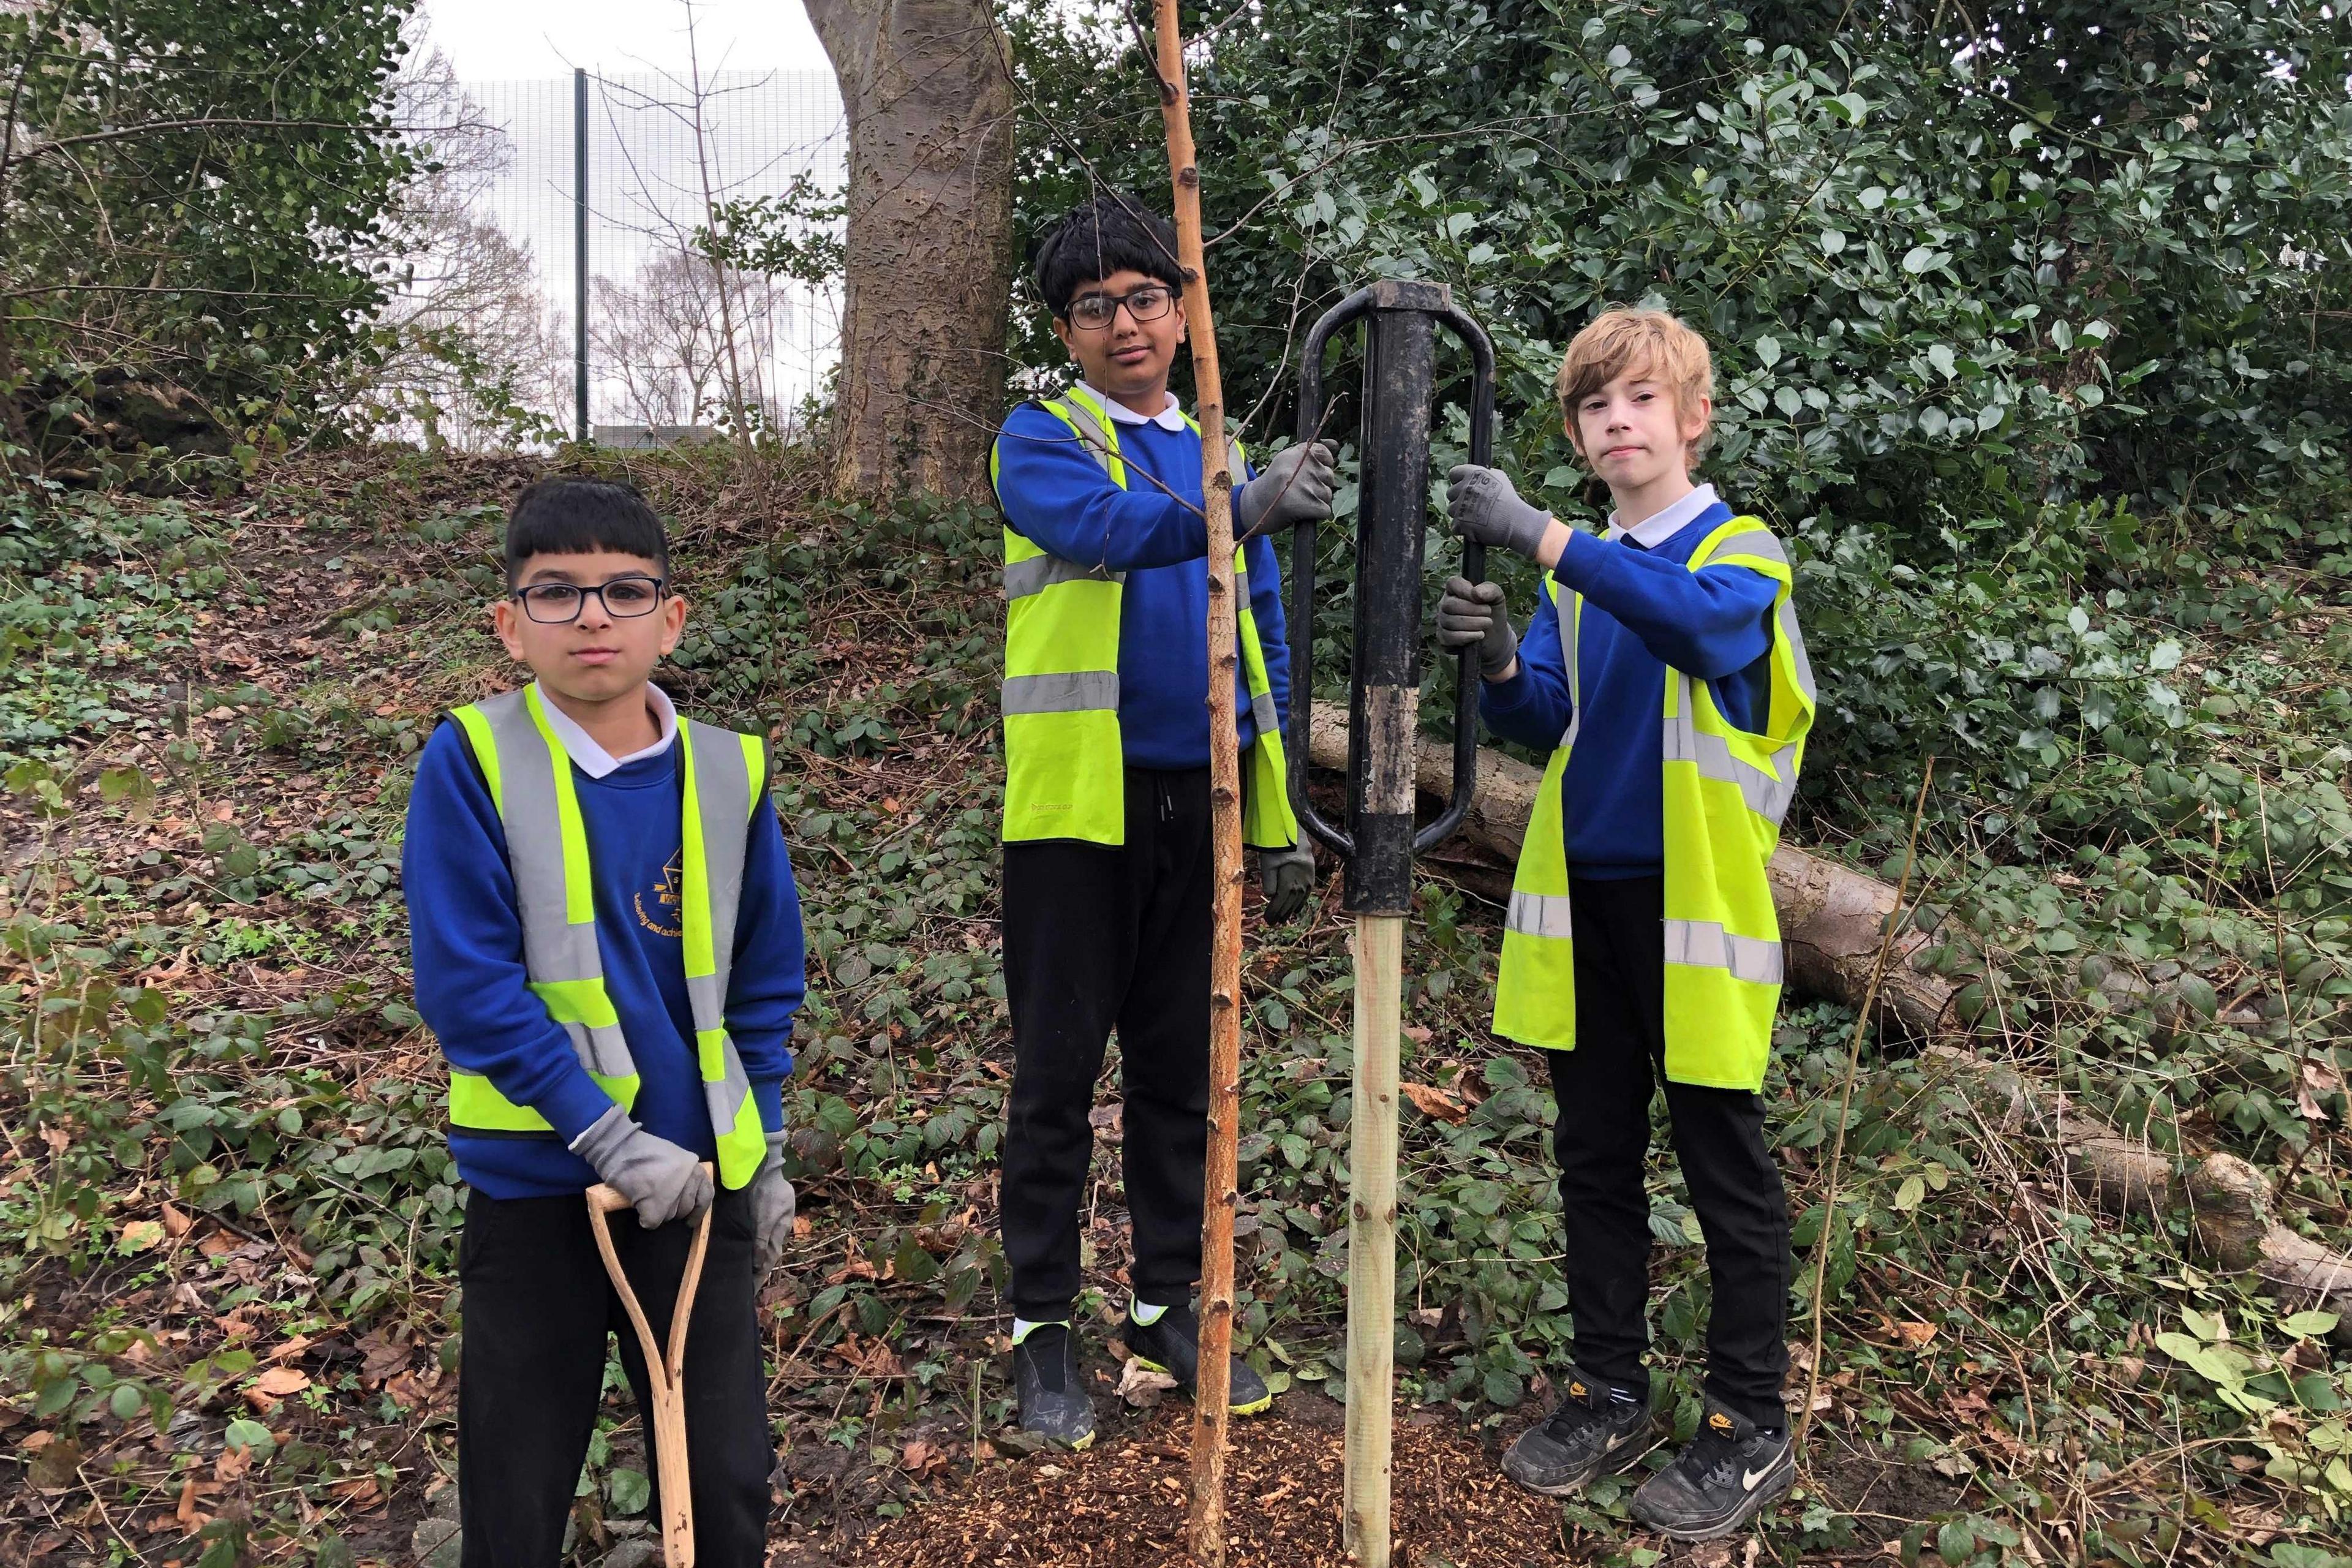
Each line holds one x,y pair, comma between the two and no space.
928,89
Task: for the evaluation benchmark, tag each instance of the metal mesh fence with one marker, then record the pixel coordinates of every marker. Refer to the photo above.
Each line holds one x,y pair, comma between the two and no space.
673,344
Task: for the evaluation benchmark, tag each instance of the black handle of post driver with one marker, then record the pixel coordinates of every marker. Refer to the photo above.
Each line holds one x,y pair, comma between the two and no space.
1302,576
1473,567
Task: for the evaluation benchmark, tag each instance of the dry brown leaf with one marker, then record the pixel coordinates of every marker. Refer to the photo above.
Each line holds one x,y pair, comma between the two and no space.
53,1467
855,1267
280,1381
1436,1102
232,1465
361,1491
407,1390
1141,1387
383,1356
1914,1334
191,1518
292,1347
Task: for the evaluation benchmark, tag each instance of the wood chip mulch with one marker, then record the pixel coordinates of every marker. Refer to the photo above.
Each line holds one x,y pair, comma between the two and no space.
1123,1504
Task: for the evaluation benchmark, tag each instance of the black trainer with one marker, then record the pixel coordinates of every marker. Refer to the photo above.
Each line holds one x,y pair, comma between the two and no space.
1730,1473
1171,1342
1054,1403
1588,1433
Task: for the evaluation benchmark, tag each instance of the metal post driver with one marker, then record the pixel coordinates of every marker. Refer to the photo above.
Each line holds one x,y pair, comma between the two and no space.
1380,839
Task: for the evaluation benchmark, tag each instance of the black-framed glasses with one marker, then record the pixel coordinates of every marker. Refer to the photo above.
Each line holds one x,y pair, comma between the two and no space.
622,598
1095,312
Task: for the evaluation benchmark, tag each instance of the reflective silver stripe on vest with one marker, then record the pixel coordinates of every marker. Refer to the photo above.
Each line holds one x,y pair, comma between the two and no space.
722,787
1761,544
553,949
725,1096
1569,632
1091,436
1039,573
1754,959
723,790
1756,541
1797,648
1767,797
1538,914
1270,722
1076,691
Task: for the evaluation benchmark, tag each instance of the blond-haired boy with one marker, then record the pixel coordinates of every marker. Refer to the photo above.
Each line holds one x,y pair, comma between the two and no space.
1664,671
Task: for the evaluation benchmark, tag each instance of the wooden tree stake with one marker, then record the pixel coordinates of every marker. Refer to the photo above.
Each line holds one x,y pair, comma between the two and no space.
1213,1385
1371,1238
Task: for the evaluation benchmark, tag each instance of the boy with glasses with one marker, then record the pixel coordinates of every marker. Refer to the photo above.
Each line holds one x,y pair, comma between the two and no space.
608,944
1107,809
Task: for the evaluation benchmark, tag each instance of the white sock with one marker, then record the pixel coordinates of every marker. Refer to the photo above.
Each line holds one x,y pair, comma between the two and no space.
1022,1328
1138,1313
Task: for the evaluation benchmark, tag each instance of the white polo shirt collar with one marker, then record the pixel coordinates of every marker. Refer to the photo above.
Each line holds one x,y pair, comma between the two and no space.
1659,527
1169,418
593,759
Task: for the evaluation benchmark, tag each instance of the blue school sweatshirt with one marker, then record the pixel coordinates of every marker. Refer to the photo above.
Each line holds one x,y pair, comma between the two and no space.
467,935
1644,609
1055,495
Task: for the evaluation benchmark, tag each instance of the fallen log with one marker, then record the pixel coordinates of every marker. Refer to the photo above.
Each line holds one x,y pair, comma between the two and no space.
2230,1204
1833,920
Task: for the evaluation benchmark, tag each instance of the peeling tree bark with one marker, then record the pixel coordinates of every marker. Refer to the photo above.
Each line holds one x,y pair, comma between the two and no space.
927,86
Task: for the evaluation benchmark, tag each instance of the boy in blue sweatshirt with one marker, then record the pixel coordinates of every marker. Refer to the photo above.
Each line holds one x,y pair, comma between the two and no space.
1107,809
608,945
1664,672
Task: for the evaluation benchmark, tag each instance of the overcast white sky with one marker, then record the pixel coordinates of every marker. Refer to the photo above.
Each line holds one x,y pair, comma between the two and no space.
503,39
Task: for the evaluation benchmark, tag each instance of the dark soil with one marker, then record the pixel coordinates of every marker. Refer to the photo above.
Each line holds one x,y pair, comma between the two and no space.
1123,1504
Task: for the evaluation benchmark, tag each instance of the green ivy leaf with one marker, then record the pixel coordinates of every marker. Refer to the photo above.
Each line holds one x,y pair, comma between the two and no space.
629,1490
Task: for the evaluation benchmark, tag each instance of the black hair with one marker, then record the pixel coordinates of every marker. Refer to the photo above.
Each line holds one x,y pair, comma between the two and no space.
566,514
1110,233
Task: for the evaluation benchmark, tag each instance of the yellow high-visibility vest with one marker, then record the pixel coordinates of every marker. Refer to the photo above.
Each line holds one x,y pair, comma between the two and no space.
1064,764
530,776
1725,792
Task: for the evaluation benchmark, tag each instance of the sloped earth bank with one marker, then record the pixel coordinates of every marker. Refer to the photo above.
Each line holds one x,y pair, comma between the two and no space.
228,1226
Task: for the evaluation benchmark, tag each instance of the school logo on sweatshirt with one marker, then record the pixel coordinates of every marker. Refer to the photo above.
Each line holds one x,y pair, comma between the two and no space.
663,919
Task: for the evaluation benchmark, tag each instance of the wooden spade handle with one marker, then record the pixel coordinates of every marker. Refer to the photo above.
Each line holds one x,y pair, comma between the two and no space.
664,1372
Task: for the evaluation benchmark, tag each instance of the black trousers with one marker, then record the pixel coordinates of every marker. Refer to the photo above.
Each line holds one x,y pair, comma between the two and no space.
1098,938
537,1306
1603,1140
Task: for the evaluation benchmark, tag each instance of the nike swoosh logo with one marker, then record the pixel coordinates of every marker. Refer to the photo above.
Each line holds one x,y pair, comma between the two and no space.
1747,1479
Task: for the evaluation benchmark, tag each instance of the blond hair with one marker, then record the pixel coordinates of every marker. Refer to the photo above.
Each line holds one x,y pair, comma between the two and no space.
1622,338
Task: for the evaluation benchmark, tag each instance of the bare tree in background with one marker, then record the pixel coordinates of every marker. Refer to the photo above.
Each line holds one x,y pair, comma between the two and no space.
686,339
474,354
928,89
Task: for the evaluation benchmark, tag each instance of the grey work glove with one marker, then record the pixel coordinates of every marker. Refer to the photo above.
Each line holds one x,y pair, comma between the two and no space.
773,1206
1473,613
1485,508
1288,877
1294,487
661,1180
